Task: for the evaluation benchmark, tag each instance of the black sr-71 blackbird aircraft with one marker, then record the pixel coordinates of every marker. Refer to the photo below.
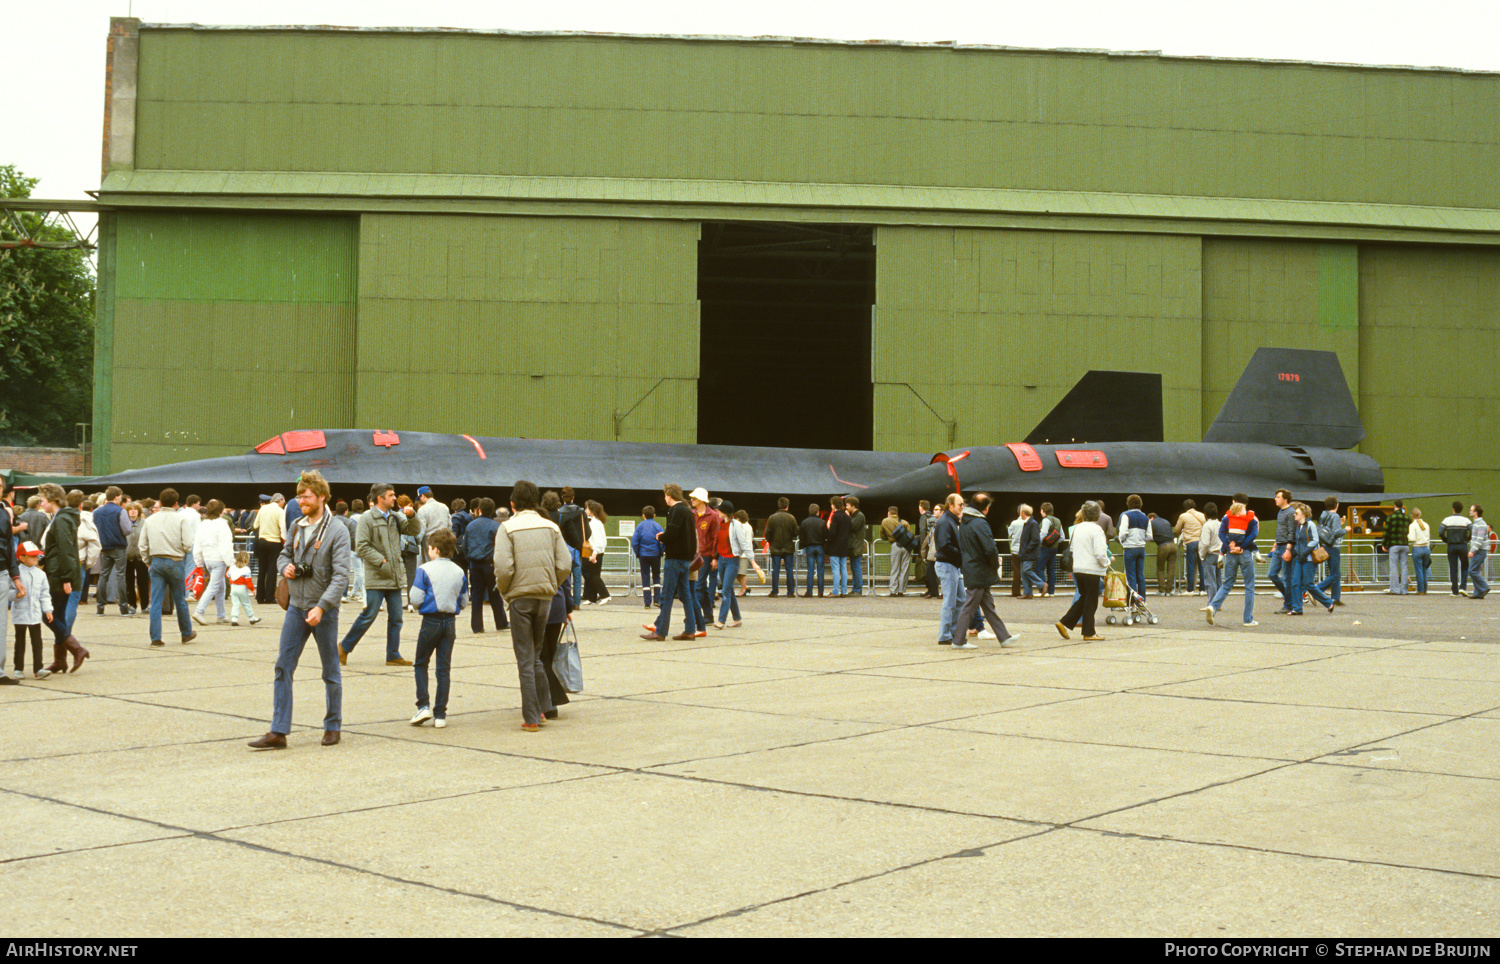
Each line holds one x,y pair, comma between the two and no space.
1283,426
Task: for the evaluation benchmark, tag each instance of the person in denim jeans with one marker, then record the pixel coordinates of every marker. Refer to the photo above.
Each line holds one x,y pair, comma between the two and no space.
1479,546
314,561
814,536
838,546
1238,531
1419,535
949,569
438,593
1331,530
377,543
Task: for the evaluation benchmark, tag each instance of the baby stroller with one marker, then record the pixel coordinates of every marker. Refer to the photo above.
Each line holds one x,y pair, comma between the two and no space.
1118,595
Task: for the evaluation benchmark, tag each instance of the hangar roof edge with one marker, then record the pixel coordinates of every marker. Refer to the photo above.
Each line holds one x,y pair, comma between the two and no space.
811,41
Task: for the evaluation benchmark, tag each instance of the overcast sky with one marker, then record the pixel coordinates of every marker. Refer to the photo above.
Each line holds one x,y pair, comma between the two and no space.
51,114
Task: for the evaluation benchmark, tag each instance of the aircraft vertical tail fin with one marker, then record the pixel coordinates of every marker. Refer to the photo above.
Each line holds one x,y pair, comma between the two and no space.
1290,396
1105,406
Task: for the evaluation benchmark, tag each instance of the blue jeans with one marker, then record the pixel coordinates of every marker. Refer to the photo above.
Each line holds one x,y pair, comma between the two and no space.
1192,565
1243,565
1308,584
1135,570
1421,561
812,562
951,579
1049,568
373,598
840,574
436,636
778,560
166,576
294,633
857,574
1031,578
708,584
1332,584
650,579
674,586
728,570
215,588
1209,570
1476,574
1397,556
1281,571
76,596
578,568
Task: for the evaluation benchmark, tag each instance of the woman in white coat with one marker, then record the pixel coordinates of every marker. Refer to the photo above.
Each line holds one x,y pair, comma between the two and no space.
1090,560
213,549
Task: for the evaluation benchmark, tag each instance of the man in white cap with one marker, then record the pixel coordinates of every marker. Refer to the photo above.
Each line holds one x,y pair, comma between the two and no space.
432,514
706,521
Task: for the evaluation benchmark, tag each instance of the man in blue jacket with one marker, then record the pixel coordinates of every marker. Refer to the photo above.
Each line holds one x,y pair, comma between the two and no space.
114,532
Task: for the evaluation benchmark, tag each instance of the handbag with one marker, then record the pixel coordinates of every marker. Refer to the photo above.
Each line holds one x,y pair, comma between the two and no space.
197,581
567,666
1320,554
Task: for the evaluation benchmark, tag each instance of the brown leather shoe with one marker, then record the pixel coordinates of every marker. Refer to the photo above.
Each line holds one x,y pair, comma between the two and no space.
684,637
395,662
189,638
271,741
330,737
653,637
343,656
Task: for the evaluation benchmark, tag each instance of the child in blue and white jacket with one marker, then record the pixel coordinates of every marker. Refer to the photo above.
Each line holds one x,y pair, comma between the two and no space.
438,592
29,610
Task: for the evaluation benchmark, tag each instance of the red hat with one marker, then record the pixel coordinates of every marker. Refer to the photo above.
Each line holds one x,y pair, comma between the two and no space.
28,549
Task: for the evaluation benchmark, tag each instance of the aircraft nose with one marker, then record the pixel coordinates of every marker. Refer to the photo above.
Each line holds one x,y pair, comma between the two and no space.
932,482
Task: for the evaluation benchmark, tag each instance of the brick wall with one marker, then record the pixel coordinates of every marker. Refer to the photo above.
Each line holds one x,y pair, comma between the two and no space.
39,461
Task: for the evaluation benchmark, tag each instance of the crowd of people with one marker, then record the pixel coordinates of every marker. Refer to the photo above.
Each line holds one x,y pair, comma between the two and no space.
538,559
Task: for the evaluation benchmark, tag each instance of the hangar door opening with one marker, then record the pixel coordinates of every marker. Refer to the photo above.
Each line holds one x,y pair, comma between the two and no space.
784,345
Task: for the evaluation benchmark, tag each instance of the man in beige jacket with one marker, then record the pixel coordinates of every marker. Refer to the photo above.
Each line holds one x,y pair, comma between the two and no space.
1189,530
531,560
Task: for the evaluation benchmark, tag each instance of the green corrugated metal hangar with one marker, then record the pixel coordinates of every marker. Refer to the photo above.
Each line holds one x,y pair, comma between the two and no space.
776,241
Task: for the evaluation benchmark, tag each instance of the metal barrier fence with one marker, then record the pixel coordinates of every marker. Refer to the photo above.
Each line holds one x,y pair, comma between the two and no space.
1364,567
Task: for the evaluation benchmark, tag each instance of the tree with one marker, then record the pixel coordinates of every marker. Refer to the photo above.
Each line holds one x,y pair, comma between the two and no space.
46,330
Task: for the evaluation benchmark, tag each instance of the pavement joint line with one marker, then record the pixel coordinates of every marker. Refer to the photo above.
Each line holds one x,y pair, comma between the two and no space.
1355,765
398,804
978,851
812,795
1312,706
1362,861
1312,760
180,833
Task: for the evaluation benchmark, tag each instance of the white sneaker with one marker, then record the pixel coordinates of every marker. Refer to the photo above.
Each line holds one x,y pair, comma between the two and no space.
604,601
41,674
254,620
1010,640
965,645
422,716
986,634
440,722
198,618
